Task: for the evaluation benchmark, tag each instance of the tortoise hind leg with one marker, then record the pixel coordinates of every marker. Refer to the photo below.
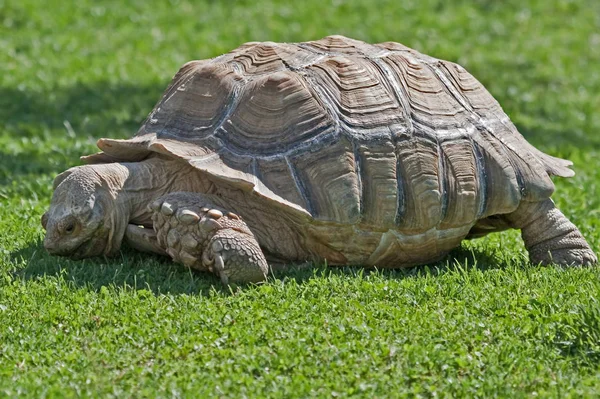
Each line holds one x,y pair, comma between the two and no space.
549,236
203,236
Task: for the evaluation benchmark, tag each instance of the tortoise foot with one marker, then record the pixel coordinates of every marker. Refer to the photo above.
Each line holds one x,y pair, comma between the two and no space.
206,237
555,240
565,256
550,237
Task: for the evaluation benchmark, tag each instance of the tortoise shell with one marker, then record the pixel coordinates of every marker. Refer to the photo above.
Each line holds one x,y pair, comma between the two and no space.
348,132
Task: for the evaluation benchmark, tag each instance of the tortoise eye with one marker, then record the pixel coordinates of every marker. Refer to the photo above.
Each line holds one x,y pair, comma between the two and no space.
68,226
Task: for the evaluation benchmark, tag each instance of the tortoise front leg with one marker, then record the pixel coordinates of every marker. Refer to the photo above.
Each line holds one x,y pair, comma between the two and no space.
203,236
143,239
549,236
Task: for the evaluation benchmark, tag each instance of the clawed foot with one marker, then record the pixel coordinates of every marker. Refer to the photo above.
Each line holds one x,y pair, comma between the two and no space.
565,257
549,236
206,237
553,239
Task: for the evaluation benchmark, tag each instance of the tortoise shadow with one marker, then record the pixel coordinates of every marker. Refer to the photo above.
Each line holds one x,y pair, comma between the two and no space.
51,130
130,270
133,270
78,110
461,258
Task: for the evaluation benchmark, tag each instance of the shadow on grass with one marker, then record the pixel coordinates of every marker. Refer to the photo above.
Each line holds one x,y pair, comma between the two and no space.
135,270
95,110
14,165
130,270
460,258
55,128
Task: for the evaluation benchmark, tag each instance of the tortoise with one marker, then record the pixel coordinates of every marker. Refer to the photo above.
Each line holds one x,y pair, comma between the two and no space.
334,149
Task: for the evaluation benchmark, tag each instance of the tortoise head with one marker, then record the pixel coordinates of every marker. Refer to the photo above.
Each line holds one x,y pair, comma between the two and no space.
79,221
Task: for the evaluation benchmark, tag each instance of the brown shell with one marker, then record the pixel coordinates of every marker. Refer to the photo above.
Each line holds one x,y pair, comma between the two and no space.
348,132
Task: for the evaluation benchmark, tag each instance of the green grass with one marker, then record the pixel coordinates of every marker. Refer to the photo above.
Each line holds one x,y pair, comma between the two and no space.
481,323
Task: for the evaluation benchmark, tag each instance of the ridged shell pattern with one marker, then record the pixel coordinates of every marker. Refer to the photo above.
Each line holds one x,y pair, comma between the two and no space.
353,133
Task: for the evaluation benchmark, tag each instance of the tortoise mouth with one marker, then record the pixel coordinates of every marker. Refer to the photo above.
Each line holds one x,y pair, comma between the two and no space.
89,248
95,246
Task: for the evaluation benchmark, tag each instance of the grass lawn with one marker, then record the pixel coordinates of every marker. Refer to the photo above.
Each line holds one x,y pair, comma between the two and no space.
482,323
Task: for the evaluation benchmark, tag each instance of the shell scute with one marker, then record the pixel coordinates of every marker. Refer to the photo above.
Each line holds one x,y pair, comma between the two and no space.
358,93
330,182
276,113
195,104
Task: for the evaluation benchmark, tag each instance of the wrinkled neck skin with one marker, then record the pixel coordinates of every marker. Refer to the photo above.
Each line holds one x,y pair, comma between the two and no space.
152,178
131,187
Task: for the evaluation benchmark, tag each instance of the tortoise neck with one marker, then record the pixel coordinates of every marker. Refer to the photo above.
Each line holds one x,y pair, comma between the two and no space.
140,183
124,190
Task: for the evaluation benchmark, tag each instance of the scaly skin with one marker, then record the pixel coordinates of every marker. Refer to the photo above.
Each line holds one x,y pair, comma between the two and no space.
203,236
549,236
